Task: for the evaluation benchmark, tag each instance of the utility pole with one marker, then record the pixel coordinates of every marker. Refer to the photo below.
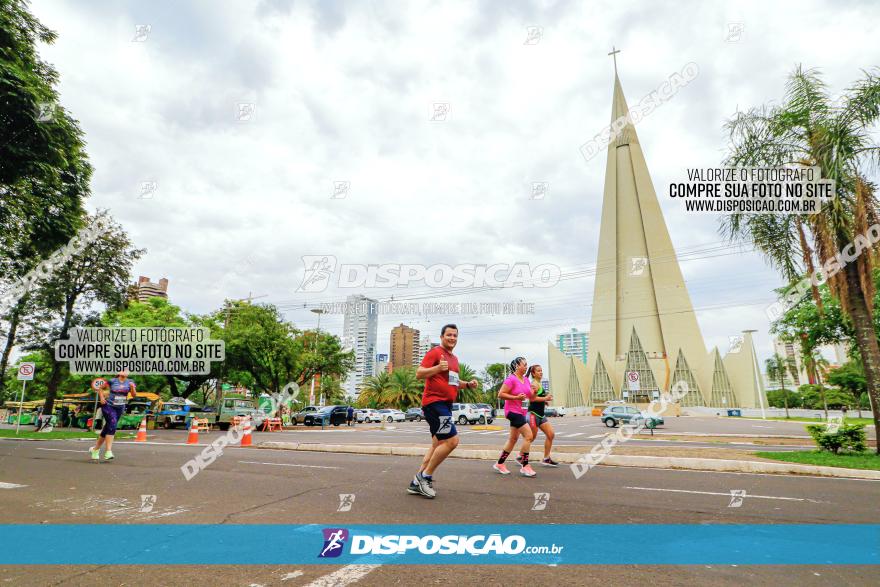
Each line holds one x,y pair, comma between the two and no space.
504,350
317,311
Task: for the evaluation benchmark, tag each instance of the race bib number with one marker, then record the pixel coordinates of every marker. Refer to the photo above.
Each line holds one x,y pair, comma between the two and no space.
118,399
525,403
453,378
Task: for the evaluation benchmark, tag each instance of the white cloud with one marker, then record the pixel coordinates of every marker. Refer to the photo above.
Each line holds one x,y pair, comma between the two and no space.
344,92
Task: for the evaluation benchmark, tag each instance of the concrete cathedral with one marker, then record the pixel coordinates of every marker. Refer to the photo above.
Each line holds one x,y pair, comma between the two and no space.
643,321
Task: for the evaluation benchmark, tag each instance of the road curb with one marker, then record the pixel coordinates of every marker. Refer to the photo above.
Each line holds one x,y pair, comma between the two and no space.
650,462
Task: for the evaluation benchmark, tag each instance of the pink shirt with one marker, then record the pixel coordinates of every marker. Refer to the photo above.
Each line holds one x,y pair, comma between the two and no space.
518,387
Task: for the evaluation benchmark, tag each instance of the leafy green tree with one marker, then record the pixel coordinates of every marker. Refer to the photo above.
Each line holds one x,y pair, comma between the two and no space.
260,342
155,312
777,398
850,378
808,128
98,274
44,170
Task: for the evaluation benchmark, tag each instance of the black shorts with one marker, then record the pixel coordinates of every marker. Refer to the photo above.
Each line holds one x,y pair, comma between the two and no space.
439,417
517,420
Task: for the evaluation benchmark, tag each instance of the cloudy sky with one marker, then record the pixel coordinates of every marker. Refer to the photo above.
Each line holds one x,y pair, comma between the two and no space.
346,92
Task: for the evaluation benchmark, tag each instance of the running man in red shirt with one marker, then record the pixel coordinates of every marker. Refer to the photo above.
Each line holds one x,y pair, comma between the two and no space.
439,369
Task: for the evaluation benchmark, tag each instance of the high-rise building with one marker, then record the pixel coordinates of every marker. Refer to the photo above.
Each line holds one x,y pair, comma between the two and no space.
835,355
573,343
145,289
644,335
359,331
425,345
382,363
404,347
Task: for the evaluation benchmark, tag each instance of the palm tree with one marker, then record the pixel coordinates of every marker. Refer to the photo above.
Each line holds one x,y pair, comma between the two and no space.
809,129
373,390
777,367
466,395
404,390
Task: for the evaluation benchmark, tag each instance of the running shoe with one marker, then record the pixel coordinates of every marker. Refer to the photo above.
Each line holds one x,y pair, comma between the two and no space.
95,453
108,455
425,486
527,471
413,488
548,462
501,468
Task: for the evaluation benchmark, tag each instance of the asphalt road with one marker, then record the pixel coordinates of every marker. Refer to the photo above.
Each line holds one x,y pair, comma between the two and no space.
54,482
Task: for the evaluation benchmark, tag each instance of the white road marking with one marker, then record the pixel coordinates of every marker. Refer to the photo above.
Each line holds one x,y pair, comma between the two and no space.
10,485
727,494
485,433
596,436
288,465
292,575
573,435
64,450
344,576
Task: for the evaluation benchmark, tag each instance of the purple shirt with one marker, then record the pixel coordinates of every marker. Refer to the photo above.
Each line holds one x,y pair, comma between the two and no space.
517,387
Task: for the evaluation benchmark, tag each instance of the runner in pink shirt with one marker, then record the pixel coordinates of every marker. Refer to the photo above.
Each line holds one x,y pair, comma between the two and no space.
516,391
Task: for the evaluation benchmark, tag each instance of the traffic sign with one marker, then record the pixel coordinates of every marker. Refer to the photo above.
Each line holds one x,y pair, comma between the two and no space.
99,384
632,380
26,371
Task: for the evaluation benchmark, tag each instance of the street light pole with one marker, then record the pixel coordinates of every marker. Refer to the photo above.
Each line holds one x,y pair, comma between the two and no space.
317,311
504,350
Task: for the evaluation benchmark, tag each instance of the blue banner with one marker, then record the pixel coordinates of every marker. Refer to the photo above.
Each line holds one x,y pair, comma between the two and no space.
523,544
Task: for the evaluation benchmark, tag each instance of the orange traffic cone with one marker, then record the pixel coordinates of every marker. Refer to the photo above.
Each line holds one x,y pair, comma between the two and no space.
142,431
193,437
246,438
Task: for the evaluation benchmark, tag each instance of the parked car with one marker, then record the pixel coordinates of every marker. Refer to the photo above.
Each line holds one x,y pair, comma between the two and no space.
466,414
613,416
369,415
334,415
391,415
488,407
300,416
486,413
552,412
414,414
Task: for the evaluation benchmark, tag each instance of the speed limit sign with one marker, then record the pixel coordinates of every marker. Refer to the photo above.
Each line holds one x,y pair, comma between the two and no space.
26,371
98,384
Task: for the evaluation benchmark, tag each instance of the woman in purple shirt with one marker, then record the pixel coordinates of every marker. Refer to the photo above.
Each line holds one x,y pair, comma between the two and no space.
112,408
516,392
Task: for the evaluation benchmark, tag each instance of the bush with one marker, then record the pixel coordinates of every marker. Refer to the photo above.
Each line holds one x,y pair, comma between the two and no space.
849,437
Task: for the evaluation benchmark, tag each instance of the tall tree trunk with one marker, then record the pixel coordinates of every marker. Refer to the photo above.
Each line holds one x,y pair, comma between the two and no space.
866,339
10,341
55,377
784,393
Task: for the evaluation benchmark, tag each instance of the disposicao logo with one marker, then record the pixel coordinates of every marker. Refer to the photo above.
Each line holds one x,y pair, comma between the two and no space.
334,540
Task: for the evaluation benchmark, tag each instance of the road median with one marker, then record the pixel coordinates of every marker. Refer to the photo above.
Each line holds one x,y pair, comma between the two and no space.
643,461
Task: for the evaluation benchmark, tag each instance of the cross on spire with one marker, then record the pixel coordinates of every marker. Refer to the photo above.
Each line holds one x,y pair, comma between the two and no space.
614,52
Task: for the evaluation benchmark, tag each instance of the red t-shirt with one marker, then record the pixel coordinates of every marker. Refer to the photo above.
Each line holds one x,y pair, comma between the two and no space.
442,387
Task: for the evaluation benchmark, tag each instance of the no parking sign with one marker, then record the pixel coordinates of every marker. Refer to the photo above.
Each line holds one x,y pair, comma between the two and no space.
632,380
26,371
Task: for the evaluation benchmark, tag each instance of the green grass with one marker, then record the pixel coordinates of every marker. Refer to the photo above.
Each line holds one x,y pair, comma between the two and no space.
821,420
56,434
865,460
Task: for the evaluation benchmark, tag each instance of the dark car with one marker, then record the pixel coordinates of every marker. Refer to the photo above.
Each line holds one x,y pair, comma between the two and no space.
334,415
414,414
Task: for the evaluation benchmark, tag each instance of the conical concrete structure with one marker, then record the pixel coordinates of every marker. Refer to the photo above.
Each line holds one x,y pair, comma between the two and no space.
642,317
